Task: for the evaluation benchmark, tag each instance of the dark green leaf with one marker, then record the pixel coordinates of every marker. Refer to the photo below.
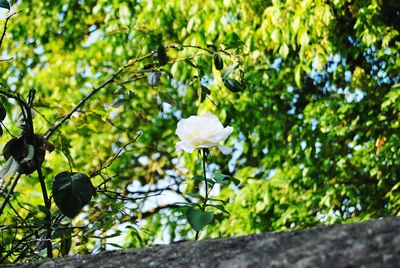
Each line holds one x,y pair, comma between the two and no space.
44,210
198,218
66,241
191,63
162,56
225,179
219,207
212,47
72,191
4,4
235,181
221,178
198,178
115,245
216,200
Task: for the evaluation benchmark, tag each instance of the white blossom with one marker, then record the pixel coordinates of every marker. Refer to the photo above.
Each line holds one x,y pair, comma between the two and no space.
203,131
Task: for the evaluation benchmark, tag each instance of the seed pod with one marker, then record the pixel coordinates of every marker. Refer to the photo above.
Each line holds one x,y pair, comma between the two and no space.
3,112
234,85
18,148
162,56
153,78
218,62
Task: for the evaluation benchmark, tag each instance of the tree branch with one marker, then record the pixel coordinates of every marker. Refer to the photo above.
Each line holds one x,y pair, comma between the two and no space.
10,192
5,28
110,80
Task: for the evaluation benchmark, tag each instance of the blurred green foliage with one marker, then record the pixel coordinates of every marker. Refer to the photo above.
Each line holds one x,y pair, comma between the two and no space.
316,130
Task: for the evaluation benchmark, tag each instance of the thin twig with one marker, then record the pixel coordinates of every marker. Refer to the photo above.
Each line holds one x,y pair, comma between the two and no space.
111,79
9,59
10,192
109,163
5,28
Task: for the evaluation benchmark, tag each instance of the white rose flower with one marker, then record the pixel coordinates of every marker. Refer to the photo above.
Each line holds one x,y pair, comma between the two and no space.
203,131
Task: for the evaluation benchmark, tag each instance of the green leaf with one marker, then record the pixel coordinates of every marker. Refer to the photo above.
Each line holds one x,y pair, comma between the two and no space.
162,56
229,70
191,63
218,62
4,4
235,181
198,178
221,178
71,192
194,195
186,205
216,200
219,207
115,245
234,85
198,218
212,47
3,111
44,210
66,241
225,179
168,73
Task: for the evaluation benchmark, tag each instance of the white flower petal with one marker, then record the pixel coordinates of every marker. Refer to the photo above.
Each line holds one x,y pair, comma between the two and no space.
224,149
204,131
182,146
10,167
31,153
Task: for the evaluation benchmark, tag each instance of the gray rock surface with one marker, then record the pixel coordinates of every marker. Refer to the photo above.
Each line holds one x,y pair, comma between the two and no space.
367,244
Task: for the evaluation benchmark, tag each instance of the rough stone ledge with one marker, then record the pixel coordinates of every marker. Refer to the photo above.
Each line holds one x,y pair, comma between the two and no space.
374,243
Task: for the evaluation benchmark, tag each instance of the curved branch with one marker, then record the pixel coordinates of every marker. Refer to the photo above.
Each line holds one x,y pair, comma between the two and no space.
110,80
5,28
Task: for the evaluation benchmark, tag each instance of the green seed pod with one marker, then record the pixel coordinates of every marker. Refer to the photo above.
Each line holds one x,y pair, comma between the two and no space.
218,62
234,85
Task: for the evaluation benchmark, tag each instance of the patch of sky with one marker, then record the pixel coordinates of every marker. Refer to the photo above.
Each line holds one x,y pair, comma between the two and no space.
93,36
207,80
276,64
237,152
318,146
179,85
347,76
303,145
314,123
271,173
230,18
355,96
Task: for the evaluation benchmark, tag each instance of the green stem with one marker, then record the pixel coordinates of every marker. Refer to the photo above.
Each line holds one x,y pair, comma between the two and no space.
203,207
205,177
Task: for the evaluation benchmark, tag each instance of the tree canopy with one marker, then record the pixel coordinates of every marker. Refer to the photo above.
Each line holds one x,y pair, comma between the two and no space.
311,89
